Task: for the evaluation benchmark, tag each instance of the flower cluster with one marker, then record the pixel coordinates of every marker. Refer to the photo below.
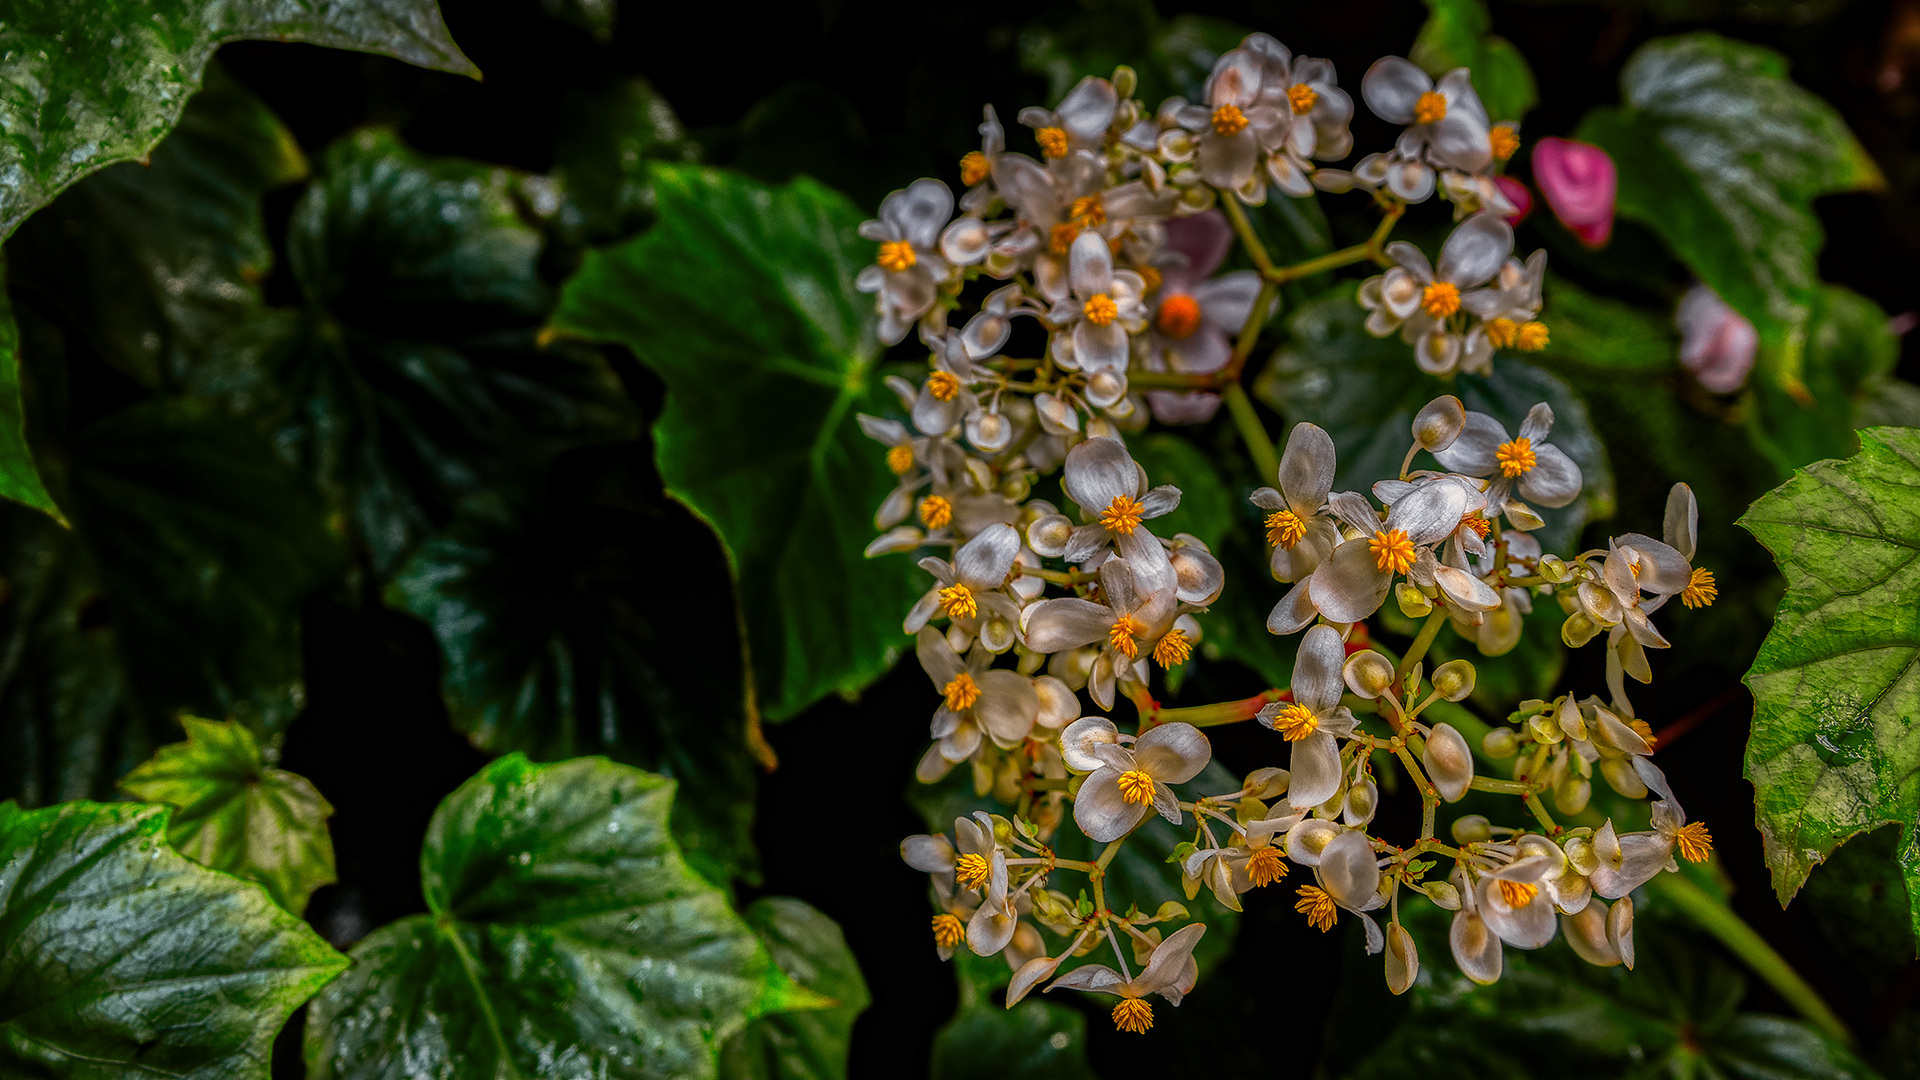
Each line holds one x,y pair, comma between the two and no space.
1109,244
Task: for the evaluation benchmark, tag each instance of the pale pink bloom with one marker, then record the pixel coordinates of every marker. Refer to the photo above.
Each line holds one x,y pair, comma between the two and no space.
1517,194
1717,343
1579,182
1196,314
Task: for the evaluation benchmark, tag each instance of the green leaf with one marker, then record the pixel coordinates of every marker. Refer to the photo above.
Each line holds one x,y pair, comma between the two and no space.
1849,361
741,298
1600,332
122,958
565,937
110,78
1206,507
1721,154
1035,1040
232,813
19,476
411,380
1365,390
153,262
805,1045
1455,35
594,16
563,635
1834,751
605,145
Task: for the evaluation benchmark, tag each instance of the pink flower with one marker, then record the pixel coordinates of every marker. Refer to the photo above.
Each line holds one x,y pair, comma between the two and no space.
1194,317
1517,194
1579,183
1717,343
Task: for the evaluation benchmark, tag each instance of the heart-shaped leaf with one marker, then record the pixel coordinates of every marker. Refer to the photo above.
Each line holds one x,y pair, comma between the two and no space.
233,813
121,958
741,298
807,1045
1456,35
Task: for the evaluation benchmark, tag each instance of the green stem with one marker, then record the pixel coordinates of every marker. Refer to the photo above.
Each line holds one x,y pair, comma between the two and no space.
1099,874
1330,261
1504,787
1428,631
1256,250
1223,712
1266,462
1746,943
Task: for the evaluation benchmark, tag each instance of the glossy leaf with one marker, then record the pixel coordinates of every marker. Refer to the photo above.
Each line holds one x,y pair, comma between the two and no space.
1834,751
1035,1040
121,958
411,380
1456,35
808,1045
152,262
563,634
1722,155
110,78
566,937
1849,361
19,476
741,298
233,813
1365,390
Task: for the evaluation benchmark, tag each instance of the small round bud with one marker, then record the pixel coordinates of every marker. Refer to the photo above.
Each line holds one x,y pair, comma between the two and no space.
1580,855
1017,486
1442,893
1414,604
1454,679
1125,81
1554,569
1578,630
1363,799
990,432
1500,743
1368,673
1545,730
1268,783
1448,761
1106,389
1403,960
1570,795
1472,829
1523,518
1049,535
1439,422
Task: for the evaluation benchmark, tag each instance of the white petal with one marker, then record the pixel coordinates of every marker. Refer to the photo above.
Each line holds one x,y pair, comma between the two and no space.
1317,670
1100,810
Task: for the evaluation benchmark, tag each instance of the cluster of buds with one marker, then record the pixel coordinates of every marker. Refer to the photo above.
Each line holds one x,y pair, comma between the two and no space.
1109,244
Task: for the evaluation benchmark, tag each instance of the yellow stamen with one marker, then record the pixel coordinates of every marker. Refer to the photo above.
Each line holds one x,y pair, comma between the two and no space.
975,167
948,930
1502,333
1179,316
1101,310
1060,240
1133,1016
1122,515
1121,636
1150,278
1136,787
1700,590
1088,211
1173,649
972,871
936,512
1318,907
1265,866
1285,529
1532,337
1696,843
961,692
1440,299
958,602
1504,141
1229,120
1516,458
1053,141
1478,523
943,385
897,255
1431,108
1644,730
1302,97
1518,894
1392,551
1295,722
900,458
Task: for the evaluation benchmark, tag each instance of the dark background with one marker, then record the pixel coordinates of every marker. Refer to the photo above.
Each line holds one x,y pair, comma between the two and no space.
892,91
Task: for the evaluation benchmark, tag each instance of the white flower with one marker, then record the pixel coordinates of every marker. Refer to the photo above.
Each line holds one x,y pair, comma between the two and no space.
975,701
1170,972
1542,472
1355,579
1426,306
1092,324
1131,622
1314,719
1299,530
1130,782
1447,126
909,268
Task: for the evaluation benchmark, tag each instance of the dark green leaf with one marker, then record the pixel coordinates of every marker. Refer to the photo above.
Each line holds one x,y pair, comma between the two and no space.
1834,751
1849,360
594,16
153,262
411,381
602,151
1599,332
1206,507
108,79
1035,1040
563,634
1721,155
19,476
742,299
232,813
566,938
121,958
1365,390
1455,35
808,1045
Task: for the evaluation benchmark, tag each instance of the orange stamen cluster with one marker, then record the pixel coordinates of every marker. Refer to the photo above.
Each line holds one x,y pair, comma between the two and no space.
1532,337
1440,299
1265,866
1285,529
1133,1016
1172,649
1088,211
1392,551
1121,636
936,512
1179,316
961,692
1136,787
1295,722
1503,141
1518,894
1431,108
1502,333
958,602
943,385
1700,590
1122,515
1302,98
1694,841
1229,120
897,255
1053,141
972,871
900,458
974,168
1516,458
1318,907
948,930
1101,310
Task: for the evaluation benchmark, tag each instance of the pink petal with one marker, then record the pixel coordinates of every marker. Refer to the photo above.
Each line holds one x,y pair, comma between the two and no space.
1580,184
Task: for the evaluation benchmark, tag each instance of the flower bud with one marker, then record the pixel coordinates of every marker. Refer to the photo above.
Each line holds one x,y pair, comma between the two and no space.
1268,783
1570,795
990,432
1454,679
1125,81
1580,855
1414,604
1472,829
1522,517
1587,934
1049,535
1554,569
1620,929
1448,761
1500,743
1442,894
1545,730
1403,961
1439,422
1368,673
1579,183
1016,486
1363,798
1578,630
1717,343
